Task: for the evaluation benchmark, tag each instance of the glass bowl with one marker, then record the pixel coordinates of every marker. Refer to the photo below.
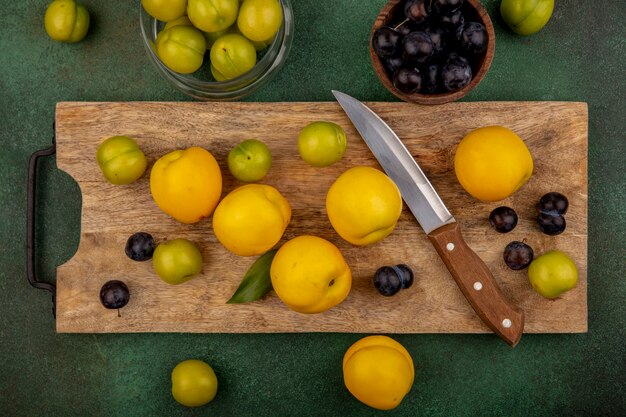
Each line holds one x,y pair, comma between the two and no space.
200,84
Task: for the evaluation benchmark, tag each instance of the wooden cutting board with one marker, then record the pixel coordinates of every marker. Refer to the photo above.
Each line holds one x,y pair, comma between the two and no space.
555,132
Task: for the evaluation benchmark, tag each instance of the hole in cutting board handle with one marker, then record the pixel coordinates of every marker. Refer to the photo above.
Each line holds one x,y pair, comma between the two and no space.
43,210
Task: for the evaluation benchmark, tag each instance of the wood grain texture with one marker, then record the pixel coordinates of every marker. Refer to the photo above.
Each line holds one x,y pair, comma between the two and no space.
555,132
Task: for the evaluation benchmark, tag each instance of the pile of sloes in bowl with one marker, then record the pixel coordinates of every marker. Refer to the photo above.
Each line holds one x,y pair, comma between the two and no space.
431,46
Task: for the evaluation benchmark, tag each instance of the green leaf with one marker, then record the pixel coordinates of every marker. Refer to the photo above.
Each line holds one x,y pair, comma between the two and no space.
257,281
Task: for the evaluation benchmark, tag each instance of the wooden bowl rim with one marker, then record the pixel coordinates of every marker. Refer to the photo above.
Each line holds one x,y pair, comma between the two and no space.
381,73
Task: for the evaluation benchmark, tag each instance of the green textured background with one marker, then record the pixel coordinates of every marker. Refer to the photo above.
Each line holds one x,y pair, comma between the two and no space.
579,57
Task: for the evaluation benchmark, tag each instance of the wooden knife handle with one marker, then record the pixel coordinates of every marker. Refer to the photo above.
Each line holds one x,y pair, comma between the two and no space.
478,284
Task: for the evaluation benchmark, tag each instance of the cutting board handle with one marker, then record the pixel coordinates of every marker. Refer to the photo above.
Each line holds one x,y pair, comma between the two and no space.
478,284
30,223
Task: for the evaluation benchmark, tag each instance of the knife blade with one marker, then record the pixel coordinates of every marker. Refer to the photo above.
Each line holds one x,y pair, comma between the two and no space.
470,273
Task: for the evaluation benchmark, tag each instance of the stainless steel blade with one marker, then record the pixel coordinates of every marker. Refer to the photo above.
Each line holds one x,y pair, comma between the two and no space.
398,163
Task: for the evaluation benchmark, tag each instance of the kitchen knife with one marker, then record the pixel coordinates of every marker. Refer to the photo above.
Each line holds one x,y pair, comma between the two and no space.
469,271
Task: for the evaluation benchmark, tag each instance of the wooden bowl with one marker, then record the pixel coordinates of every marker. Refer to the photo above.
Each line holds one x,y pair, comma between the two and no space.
479,69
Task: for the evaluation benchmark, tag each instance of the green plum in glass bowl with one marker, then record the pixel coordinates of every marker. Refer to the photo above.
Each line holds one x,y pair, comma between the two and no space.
208,82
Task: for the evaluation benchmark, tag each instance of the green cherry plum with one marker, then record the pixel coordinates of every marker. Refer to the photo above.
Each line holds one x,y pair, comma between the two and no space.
212,15
177,261
181,21
66,21
181,48
250,160
526,17
165,10
232,55
552,274
259,20
120,160
194,383
322,143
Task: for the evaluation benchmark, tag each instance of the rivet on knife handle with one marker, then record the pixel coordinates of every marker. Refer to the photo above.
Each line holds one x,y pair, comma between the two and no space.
478,284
